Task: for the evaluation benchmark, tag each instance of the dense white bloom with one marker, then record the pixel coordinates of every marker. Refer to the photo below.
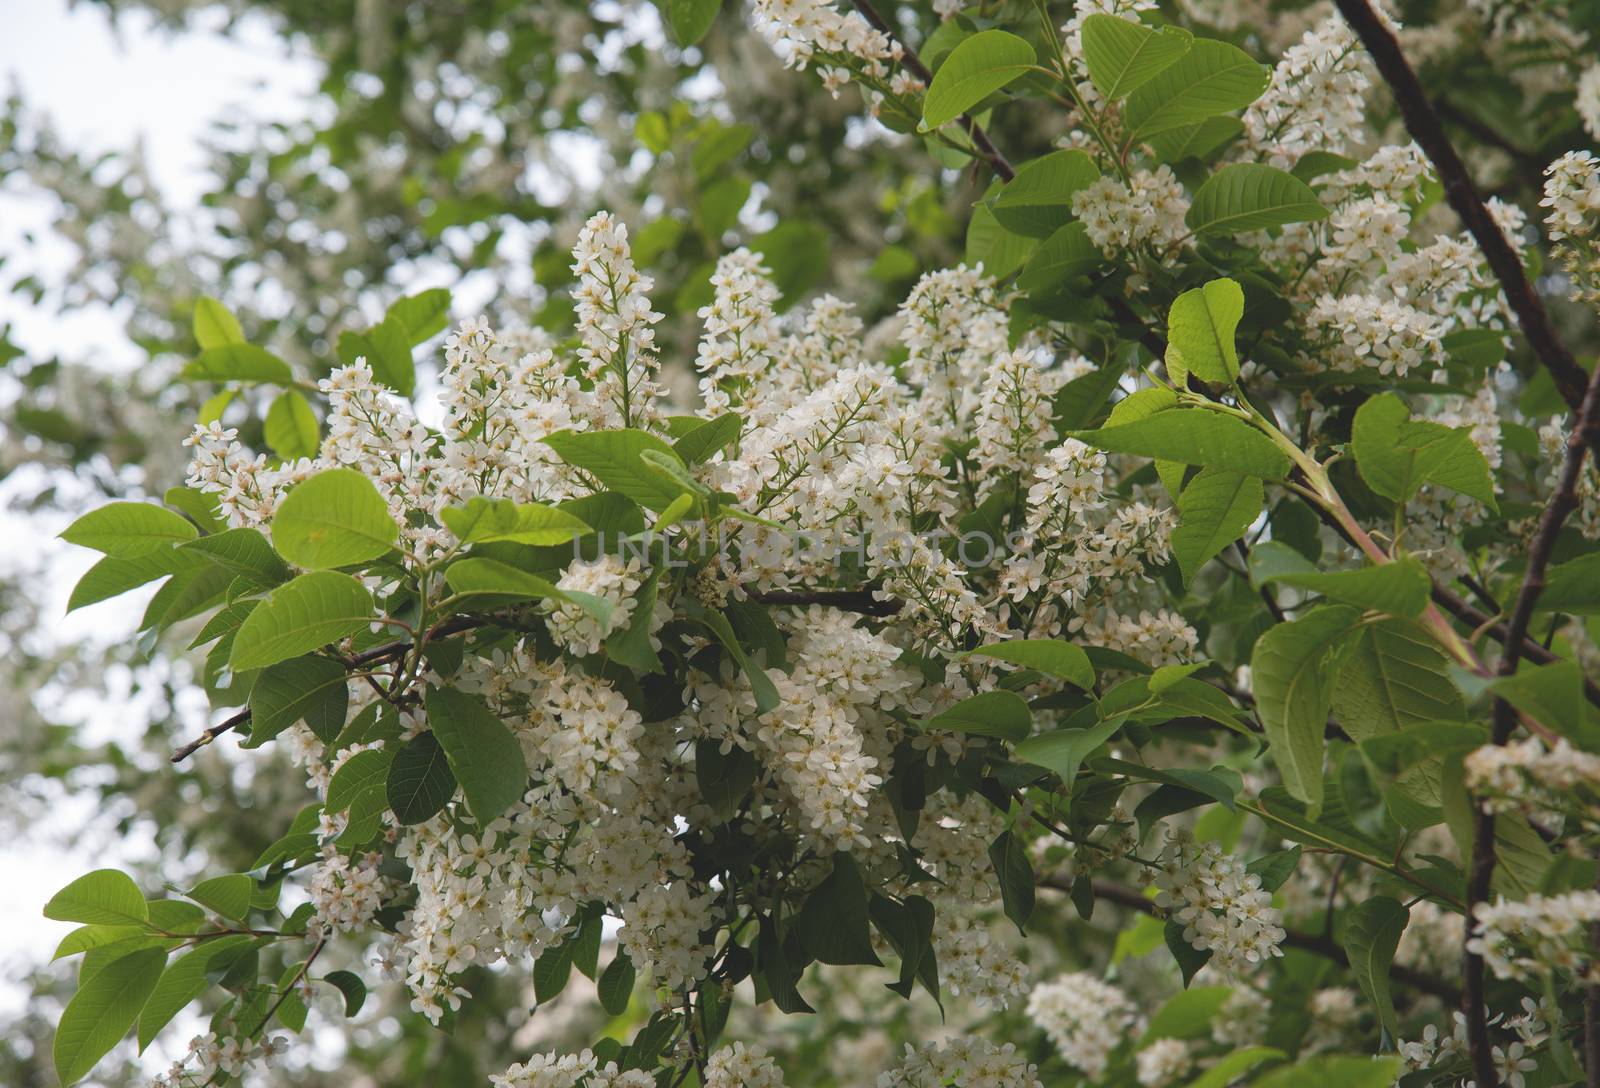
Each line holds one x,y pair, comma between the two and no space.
1315,101
1163,1062
962,1062
1149,210
1223,908
1084,1018
1526,940
741,1066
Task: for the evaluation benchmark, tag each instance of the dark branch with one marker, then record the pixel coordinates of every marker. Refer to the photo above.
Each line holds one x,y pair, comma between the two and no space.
1423,122
1479,621
1480,874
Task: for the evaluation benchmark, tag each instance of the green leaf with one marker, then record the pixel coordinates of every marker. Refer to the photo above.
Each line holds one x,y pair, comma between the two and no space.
1400,588
291,427
1198,140
1009,856
612,458
797,251
387,349
238,363
183,981
214,325
1214,510
689,20
1335,1071
615,987
422,315
1200,333
1064,750
1123,56
1220,784
1395,753
698,444
300,616
1039,199
1553,695
128,530
244,552
485,756
228,895
761,685
1235,1065
333,519
420,781
350,985
483,520
1051,656
1211,78
1249,196
1186,1015
490,577
975,69
1397,455
631,646
1065,254
103,1010
1001,251
1572,587
1194,436
103,897
1371,934
1394,677
551,971
315,690
832,922
1189,958
359,785
1294,667
992,714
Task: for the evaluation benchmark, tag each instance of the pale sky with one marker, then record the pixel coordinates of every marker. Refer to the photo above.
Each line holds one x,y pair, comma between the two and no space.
106,90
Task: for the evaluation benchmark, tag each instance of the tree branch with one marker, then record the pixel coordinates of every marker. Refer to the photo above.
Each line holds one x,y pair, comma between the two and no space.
1422,121
1480,874
1479,621
1317,944
913,64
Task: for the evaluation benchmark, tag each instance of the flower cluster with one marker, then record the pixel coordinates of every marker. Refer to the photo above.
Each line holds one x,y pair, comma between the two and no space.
1223,909
1572,195
1083,1017
1527,775
1529,939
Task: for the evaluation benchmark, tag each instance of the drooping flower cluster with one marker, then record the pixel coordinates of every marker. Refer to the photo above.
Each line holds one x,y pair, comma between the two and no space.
1526,940
1085,1018
1572,195
1163,1062
962,1062
1525,775
1147,211
1223,908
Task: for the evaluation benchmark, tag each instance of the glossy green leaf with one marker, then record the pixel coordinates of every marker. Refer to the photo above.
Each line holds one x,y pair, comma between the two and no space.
184,980
103,897
1194,436
1214,510
291,427
227,895
1065,254
1400,588
612,458
485,756
1200,333
1123,56
832,923
103,1010
1212,77
1397,455
975,69
1039,199
238,363
315,690
689,20
1064,750
128,530
483,520
420,780
615,986
300,616
1372,932
490,577
214,326
1294,668
333,519
1001,714
1250,196
1051,656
